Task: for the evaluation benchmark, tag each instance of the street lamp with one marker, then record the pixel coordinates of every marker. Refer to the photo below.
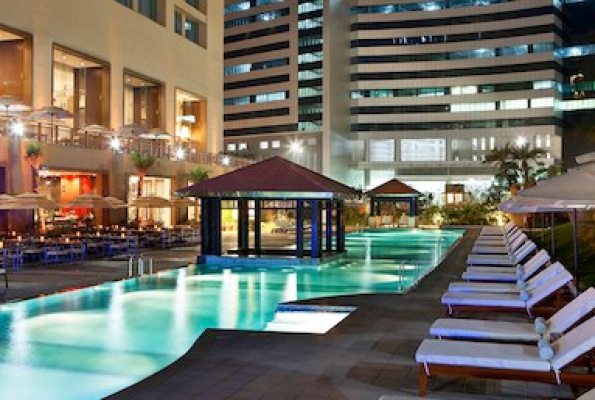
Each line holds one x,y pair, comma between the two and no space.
115,144
226,161
521,141
17,128
296,147
180,154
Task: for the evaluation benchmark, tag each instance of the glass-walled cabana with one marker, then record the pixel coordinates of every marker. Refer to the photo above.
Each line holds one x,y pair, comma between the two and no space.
393,193
313,202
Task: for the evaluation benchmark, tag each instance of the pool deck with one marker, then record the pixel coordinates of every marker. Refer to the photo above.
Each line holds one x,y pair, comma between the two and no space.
368,356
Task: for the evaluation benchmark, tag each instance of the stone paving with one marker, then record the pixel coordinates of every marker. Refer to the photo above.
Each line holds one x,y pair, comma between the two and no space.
368,356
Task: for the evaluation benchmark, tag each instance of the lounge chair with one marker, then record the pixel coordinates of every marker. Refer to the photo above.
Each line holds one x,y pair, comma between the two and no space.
476,329
508,274
526,301
505,287
498,230
503,260
509,361
506,248
498,240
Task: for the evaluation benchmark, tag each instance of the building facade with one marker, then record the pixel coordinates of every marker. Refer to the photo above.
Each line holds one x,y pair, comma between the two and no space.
150,65
418,90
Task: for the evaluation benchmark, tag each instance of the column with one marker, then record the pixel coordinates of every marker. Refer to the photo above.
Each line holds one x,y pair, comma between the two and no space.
329,226
299,229
316,229
243,226
205,233
372,207
257,227
340,233
216,226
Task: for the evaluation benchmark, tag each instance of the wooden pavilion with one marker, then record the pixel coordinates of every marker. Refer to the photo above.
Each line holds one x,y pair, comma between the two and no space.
258,185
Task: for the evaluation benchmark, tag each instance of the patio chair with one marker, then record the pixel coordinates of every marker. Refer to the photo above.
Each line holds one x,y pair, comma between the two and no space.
527,301
15,257
506,248
77,250
503,260
508,274
54,254
477,329
510,361
504,287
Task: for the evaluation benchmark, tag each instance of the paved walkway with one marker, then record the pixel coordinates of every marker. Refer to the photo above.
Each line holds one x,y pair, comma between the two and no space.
368,356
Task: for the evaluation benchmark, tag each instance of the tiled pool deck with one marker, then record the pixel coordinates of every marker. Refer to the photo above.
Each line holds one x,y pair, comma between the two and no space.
368,356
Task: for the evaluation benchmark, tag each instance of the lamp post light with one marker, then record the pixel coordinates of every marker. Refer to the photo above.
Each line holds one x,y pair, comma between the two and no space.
521,141
17,129
115,144
180,153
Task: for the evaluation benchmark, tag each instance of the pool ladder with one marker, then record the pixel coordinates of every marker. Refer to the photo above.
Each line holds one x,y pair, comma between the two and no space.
140,265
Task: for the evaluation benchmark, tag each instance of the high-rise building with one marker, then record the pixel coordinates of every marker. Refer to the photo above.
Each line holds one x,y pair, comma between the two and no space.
146,64
418,90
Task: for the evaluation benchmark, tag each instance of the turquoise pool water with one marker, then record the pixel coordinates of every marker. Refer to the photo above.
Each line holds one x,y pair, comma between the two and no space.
90,343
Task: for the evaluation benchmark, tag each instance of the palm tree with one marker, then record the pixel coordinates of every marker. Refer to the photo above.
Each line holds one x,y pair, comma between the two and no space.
198,174
526,157
34,156
141,163
506,168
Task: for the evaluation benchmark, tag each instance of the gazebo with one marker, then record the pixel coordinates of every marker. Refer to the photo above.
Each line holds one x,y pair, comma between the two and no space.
393,191
259,185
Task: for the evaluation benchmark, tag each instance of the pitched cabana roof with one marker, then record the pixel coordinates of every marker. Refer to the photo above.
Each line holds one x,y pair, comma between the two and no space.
274,177
393,188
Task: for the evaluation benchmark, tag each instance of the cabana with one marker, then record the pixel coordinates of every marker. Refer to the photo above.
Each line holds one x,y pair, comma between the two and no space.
394,191
273,180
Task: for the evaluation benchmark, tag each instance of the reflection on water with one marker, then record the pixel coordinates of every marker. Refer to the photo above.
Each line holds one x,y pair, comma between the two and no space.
90,343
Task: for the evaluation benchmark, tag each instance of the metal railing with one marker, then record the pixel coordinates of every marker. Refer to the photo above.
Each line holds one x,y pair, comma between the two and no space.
163,149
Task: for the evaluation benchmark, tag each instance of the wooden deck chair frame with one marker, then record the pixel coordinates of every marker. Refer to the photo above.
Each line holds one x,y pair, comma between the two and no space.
564,378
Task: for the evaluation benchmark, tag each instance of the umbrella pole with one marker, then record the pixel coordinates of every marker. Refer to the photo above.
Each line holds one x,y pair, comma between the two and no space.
553,235
575,231
543,229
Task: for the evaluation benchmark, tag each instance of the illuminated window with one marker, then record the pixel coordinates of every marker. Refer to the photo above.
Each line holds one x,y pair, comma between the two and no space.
382,150
423,150
264,145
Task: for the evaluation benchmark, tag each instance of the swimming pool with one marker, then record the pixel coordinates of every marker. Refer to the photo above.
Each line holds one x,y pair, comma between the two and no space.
90,343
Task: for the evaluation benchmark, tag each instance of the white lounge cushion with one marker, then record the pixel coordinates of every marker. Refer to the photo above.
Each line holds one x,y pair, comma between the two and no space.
482,299
573,344
529,268
484,330
519,255
490,276
483,287
572,312
506,287
590,395
486,355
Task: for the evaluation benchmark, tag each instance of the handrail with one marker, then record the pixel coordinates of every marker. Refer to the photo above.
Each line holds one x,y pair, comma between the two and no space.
66,136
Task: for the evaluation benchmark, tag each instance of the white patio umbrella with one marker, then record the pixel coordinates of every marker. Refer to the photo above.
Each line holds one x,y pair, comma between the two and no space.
518,205
115,202
30,201
96,129
154,135
151,202
182,202
88,201
573,191
12,104
52,113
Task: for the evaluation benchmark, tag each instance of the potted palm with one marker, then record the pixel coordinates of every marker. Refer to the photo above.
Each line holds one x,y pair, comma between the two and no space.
34,157
141,163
